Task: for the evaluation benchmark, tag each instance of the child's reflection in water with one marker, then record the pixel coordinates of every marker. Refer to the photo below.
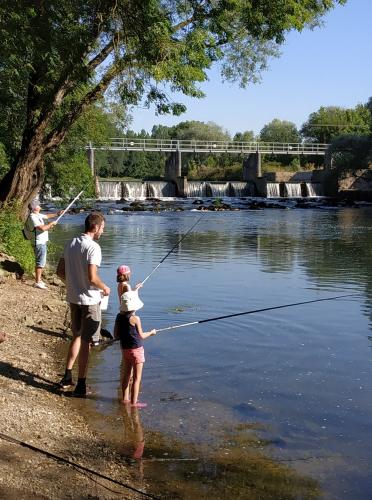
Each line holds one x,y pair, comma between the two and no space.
134,440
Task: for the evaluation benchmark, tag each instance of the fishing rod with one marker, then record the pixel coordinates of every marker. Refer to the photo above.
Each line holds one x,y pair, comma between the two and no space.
70,205
170,251
217,318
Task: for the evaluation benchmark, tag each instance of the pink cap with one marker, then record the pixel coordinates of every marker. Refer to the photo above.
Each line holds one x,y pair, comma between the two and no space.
123,269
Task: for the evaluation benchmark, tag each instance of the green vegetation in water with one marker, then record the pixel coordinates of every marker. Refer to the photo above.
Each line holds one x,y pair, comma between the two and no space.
182,308
237,468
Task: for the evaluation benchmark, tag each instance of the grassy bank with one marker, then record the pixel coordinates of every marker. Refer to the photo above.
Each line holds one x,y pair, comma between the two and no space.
12,241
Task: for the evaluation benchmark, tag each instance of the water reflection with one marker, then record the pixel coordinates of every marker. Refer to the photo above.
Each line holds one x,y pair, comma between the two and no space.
302,373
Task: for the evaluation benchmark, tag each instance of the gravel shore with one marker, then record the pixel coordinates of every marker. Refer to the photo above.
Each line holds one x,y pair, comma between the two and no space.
34,411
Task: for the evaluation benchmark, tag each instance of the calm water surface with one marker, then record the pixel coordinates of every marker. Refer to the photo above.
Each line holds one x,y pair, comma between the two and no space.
269,405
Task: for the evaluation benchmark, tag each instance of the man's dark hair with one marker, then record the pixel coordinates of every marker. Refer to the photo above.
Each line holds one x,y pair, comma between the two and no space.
93,219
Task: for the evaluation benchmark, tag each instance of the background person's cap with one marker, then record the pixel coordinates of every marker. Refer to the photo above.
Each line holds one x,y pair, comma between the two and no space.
123,269
34,203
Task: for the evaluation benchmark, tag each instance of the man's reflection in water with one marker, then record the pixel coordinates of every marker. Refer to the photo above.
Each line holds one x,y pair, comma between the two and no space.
134,441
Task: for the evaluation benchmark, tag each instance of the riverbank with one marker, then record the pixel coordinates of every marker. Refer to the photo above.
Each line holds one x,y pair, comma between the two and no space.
34,411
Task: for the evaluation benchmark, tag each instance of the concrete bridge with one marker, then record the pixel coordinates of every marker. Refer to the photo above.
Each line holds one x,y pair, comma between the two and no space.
251,150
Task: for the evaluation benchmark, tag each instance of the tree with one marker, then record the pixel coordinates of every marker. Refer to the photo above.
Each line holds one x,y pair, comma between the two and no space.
59,57
333,121
4,164
246,136
280,131
67,170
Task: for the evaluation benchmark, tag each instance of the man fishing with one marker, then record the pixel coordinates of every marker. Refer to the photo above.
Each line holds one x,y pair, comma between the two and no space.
36,223
84,290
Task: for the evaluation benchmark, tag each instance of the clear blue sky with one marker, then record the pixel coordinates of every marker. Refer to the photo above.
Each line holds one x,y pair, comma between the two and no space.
330,65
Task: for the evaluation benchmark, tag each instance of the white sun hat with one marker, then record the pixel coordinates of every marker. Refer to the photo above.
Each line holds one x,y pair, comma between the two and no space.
130,301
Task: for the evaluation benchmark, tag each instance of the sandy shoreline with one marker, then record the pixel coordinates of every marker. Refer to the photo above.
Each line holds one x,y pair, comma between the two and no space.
33,410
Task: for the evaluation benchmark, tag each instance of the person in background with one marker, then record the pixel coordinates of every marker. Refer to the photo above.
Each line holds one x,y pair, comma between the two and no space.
84,289
36,222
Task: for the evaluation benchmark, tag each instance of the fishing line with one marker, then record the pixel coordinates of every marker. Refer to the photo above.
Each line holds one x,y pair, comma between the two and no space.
170,251
218,318
72,464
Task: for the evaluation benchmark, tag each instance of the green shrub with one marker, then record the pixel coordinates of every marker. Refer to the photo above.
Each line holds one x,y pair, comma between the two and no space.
12,241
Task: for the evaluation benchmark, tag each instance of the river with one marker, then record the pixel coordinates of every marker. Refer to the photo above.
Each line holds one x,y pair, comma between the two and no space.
276,404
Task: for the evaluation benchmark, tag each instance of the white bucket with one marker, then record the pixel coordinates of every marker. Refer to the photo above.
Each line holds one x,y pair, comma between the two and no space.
104,302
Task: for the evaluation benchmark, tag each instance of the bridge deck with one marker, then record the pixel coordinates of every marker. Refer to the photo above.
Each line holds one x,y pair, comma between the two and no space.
230,147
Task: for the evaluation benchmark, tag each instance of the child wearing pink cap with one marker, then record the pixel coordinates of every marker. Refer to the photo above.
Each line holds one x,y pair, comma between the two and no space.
122,277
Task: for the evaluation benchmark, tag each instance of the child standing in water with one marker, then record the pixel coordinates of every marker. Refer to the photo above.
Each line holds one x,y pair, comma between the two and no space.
128,329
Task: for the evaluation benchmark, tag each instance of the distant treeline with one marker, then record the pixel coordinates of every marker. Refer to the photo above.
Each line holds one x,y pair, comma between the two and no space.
349,132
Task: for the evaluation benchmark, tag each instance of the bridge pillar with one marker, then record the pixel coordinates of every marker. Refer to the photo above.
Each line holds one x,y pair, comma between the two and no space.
173,166
252,167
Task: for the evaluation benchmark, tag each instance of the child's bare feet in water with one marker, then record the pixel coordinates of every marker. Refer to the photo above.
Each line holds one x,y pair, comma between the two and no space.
139,405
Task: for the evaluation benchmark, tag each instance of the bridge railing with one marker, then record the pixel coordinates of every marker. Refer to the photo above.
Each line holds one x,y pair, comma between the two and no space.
232,147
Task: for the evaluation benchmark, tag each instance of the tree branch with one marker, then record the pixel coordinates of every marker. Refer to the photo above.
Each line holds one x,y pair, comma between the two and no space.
99,58
56,136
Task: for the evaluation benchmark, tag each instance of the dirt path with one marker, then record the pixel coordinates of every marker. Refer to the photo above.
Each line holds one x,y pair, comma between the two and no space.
33,410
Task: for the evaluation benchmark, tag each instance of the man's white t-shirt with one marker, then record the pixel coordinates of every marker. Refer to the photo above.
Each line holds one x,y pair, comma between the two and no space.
39,220
78,254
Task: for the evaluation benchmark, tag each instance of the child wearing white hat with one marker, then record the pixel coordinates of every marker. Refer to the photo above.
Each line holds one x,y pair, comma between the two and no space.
128,329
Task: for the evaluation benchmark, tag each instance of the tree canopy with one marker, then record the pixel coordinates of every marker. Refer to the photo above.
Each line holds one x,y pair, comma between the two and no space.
330,122
59,57
280,131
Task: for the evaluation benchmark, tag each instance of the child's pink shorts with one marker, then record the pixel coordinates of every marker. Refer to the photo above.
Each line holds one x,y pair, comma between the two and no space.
134,356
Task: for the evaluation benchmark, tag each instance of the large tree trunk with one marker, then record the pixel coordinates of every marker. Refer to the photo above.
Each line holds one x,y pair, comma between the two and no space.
25,178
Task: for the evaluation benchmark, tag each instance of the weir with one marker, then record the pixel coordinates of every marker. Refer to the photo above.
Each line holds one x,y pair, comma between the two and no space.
117,190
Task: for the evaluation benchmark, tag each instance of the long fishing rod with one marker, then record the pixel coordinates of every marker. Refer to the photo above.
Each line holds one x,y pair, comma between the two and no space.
251,312
70,205
170,251
217,318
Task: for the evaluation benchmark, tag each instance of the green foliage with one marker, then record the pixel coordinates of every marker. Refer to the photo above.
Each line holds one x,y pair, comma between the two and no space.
350,153
247,136
60,57
280,131
330,122
213,171
67,170
12,241
4,164
71,175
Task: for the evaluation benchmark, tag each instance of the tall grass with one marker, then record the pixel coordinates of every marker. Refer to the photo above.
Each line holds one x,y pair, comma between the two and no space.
12,241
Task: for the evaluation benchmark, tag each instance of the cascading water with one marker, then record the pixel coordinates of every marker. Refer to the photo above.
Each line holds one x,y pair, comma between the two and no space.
196,189
110,190
314,189
161,189
273,190
240,189
219,189
293,189
135,189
